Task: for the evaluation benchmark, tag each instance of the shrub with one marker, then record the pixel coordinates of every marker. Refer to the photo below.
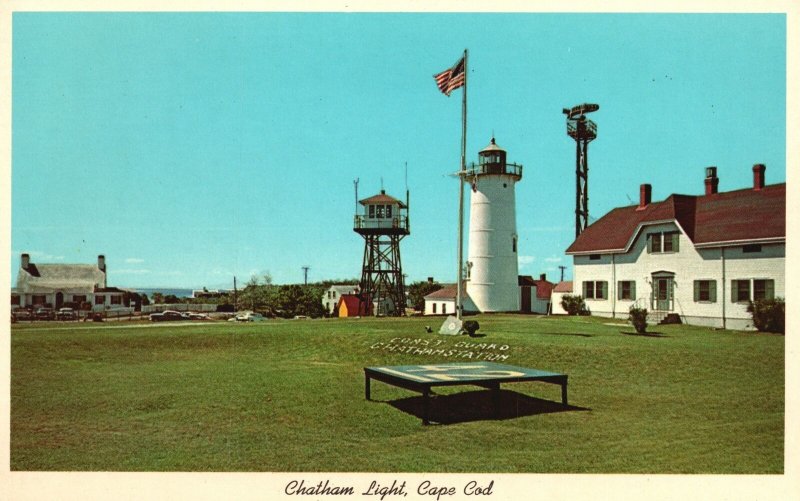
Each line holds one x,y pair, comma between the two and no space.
769,315
638,317
574,305
470,326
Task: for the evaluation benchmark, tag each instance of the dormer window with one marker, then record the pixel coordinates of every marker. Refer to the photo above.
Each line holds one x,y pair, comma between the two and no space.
665,242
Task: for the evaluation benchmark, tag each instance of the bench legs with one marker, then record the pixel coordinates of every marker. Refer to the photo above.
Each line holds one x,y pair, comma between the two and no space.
496,399
426,406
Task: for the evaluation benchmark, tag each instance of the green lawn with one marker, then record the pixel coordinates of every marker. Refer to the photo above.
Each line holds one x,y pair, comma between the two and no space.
289,396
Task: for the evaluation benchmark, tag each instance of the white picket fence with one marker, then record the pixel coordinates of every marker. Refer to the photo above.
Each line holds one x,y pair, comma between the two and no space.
157,308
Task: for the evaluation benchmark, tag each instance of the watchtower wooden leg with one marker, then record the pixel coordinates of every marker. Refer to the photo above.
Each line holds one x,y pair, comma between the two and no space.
366,387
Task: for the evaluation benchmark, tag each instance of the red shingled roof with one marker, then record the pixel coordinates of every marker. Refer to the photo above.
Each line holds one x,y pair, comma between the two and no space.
353,305
563,287
448,291
543,289
734,216
382,198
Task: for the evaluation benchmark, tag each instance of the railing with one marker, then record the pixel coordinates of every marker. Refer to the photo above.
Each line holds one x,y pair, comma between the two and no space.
362,222
474,169
586,128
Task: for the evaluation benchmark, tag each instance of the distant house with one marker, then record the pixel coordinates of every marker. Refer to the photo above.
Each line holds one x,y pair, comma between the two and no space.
330,298
350,305
698,258
534,294
559,291
534,298
55,285
443,301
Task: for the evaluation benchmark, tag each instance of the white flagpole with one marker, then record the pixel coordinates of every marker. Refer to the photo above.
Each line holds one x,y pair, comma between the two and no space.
461,174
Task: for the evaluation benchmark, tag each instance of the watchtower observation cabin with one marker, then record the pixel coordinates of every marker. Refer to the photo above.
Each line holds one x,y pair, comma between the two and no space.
383,223
383,215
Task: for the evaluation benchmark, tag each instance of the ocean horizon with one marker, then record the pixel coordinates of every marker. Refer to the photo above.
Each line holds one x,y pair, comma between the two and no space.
175,291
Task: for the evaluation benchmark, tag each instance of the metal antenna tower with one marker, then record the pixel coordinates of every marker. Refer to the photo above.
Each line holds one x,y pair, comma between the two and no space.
583,131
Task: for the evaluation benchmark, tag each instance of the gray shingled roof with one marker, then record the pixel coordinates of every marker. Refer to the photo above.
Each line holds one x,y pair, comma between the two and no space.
43,277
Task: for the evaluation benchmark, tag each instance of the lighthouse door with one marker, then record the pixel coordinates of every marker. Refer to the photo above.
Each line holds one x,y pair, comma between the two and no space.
525,297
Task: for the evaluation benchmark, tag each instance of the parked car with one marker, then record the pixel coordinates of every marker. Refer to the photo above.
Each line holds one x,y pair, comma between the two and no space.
198,316
44,314
19,314
167,315
251,317
66,314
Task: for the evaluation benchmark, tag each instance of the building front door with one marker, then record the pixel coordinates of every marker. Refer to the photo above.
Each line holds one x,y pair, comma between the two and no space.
59,299
662,293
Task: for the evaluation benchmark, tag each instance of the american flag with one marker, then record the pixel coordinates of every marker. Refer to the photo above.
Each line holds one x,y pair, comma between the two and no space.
451,78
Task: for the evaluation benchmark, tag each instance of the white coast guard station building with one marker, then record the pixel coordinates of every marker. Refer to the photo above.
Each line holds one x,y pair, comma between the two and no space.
700,259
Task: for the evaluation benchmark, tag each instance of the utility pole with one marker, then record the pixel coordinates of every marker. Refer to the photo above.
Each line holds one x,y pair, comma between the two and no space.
305,274
234,293
562,268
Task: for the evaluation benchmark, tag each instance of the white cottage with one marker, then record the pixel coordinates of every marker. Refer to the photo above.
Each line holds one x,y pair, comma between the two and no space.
560,290
55,285
443,301
700,259
331,297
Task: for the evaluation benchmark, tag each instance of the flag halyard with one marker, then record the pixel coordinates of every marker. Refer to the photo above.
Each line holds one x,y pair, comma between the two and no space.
451,78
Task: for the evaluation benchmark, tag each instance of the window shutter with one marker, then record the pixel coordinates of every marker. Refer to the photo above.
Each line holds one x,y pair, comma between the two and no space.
602,290
696,291
619,290
712,291
633,290
649,243
734,291
675,240
769,289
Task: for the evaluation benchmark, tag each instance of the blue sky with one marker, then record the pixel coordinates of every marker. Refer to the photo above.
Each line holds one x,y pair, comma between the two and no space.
189,148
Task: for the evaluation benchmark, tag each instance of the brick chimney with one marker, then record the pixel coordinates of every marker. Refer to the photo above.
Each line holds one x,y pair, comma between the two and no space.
758,176
712,181
24,261
645,194
543,276
101,264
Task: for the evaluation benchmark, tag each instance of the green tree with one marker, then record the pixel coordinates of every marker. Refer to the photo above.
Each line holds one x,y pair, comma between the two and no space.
292,300
418,290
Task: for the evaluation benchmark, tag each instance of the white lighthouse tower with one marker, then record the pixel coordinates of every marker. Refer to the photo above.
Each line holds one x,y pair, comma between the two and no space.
492,269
